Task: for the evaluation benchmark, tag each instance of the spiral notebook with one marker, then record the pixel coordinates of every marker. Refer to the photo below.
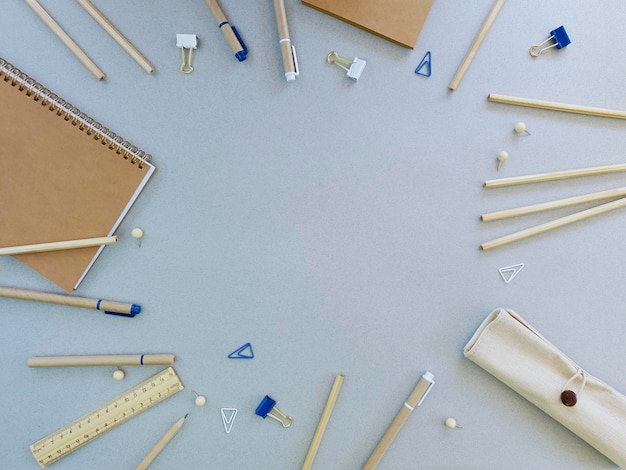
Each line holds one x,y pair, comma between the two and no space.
63,176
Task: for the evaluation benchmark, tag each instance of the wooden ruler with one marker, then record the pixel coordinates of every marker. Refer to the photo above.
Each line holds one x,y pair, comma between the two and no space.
104,418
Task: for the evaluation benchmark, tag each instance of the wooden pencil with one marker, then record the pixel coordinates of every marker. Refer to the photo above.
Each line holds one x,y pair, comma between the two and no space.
555,175
55,246
469,56
551,105
160,445
545,206
570,219
67,40
115,34
323,422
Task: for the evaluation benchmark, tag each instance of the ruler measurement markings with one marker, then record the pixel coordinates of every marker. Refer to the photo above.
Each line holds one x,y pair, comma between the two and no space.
94,430
86,420
104,418
88,430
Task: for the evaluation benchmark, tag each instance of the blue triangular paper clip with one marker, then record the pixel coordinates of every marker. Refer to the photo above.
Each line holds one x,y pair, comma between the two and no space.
424,63
239,352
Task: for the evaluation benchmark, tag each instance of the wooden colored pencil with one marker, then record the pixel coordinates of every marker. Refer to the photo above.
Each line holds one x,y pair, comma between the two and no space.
551,105
115,34
555,175
469,56
545,206
323,422
160,445
55,246
67,40
570,219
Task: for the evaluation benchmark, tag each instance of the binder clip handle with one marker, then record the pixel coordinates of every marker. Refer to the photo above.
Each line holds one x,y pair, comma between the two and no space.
190,42
267,406
354,68
560,38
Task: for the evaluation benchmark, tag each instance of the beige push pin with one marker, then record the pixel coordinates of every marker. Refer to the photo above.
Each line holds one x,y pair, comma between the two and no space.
502,157
354,68
200,399
451,423
520,128
137,234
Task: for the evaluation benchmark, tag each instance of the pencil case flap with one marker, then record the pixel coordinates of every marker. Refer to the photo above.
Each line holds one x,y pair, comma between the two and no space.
511,350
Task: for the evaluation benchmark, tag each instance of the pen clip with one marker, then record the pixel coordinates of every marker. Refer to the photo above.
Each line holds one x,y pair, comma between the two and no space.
241,55
131,314
295,60
429,377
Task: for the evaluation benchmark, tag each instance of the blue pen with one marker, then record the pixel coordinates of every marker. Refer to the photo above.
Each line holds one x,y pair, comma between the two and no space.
106,306
230,32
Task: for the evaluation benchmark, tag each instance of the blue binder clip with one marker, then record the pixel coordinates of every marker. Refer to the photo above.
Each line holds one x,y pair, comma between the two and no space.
425,63
265,408
560,38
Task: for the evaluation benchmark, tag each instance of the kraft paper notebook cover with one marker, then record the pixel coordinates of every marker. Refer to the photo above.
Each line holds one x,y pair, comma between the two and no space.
399,21
63,176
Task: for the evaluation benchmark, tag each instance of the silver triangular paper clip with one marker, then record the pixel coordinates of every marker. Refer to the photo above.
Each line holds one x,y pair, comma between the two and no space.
228,418
509,272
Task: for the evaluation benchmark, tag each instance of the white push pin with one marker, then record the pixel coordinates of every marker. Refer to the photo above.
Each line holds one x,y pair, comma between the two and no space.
118,374
451,423
520,128
137,233
502,157
200,400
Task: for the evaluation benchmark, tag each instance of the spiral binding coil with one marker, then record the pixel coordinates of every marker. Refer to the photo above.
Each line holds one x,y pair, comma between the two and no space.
72,114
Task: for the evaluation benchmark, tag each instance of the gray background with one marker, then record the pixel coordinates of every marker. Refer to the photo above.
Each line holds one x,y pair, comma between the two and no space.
335,226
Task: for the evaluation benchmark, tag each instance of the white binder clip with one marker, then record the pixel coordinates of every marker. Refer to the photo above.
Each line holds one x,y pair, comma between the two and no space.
354,68
190,42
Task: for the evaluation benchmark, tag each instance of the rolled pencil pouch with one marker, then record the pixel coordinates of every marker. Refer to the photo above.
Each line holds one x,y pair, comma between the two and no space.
515,353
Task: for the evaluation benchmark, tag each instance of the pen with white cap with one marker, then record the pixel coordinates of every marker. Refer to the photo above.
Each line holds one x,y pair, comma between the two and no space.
288,50
413,401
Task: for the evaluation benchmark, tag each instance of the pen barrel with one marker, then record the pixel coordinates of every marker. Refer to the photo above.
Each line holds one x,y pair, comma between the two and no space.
385,441
224,26
281,19
47,297
101,360
60,299
414,399
288,60
114,306
283,37
231,38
